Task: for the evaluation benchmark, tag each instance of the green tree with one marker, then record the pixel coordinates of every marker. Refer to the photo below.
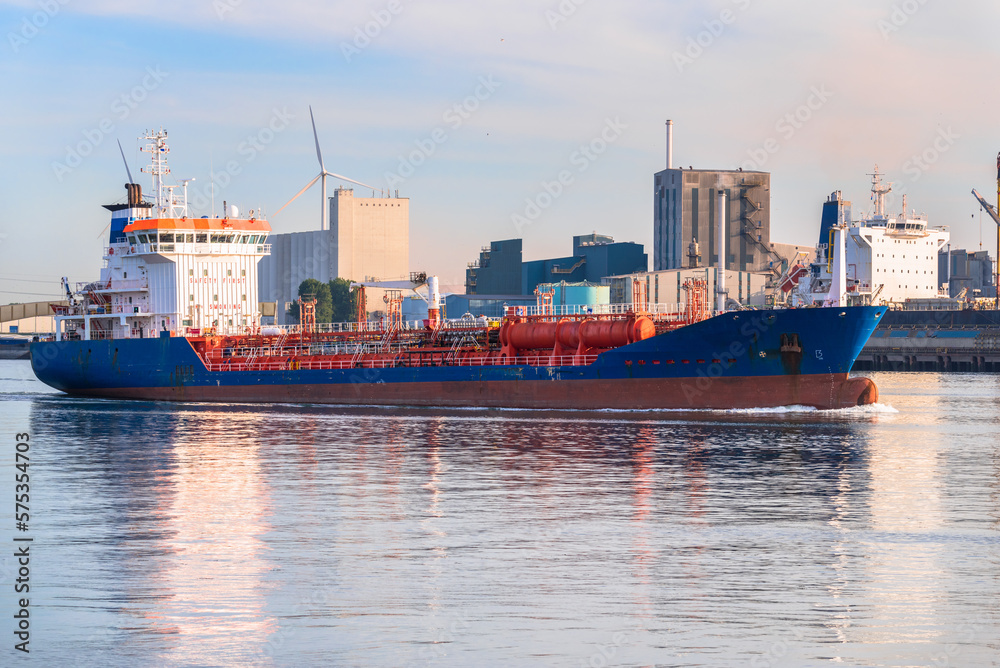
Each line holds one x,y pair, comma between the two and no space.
344,300
324,304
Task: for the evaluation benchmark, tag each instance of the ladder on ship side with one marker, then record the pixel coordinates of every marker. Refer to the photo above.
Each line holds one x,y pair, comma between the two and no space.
390,333
252,357
280,344
459,343
358,354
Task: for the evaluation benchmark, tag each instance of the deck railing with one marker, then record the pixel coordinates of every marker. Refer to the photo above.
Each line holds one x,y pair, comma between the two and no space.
199,248
436,359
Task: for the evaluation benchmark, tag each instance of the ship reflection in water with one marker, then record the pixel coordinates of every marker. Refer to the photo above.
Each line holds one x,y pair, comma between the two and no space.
301,535
214,569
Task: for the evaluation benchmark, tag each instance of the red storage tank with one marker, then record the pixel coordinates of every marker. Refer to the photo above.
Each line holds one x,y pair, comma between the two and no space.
570,334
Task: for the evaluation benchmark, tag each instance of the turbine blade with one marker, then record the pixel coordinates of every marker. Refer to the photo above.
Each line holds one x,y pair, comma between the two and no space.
344,178
308,186
319,154
127,170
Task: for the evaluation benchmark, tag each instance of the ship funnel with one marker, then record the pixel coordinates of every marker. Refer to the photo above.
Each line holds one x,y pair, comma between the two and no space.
134,191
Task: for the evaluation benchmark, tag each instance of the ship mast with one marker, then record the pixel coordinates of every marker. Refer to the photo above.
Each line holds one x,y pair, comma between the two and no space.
157,148
878,194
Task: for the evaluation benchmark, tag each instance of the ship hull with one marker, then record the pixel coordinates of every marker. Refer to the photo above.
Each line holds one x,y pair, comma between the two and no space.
828,391
737,360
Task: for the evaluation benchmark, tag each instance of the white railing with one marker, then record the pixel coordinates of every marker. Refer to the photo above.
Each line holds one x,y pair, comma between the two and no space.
430,359
340,327
119,309
99,334
594,309
124,285
328,348
198,249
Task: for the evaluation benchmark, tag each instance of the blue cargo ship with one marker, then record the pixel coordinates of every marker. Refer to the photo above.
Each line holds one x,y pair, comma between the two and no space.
175,317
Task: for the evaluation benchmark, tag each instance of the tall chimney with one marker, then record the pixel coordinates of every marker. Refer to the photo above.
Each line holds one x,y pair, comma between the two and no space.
720,281
670,144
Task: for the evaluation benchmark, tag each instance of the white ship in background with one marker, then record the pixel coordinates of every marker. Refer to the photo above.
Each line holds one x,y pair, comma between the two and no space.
879,260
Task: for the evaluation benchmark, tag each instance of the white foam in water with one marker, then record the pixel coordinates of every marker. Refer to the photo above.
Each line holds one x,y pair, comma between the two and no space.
868,409
773,410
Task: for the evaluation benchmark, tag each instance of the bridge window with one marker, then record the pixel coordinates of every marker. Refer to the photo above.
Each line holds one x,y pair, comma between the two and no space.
143,239
217,238
166,238
189,238
201,238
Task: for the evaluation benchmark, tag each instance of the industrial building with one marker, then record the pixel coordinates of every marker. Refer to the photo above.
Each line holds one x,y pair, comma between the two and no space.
369,237
685,219
500,269
667,287
497,271
972,272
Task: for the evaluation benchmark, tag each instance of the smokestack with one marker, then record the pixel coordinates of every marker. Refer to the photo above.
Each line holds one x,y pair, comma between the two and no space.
720,282
670,144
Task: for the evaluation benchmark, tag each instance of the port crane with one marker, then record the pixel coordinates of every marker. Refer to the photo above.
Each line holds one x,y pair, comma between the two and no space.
995,216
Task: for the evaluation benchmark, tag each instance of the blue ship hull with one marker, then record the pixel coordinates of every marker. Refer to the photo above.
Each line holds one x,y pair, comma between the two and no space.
736,360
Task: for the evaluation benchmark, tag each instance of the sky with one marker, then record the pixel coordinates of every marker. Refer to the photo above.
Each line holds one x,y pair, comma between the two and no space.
474,110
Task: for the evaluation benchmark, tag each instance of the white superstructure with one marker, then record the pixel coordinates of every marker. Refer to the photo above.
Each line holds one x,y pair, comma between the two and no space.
885,259
169,276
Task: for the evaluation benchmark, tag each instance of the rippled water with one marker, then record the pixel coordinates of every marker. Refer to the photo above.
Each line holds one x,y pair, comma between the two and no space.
305,535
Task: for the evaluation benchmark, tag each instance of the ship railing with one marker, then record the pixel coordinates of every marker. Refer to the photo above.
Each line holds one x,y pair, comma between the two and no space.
120,309
438,359
340,327
101,334
114,286
198,248
596,309
128,284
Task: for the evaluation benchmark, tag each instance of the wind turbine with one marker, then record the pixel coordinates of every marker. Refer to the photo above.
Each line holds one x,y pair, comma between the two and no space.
127,171
325,210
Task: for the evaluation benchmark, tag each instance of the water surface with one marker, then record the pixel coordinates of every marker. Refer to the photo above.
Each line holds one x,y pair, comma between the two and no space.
231,535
